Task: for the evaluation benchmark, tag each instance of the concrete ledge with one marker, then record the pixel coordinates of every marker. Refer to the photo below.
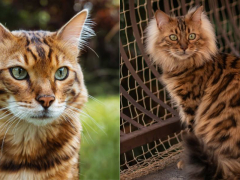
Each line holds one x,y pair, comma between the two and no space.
169,173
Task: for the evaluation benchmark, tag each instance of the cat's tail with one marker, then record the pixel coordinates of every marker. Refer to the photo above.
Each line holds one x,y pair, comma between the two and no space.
199,162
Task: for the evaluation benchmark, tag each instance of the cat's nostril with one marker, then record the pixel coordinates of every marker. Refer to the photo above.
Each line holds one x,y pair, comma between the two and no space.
184,48
46,101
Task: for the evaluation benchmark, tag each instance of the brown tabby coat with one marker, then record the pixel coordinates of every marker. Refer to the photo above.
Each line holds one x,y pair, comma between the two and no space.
205,85
39,143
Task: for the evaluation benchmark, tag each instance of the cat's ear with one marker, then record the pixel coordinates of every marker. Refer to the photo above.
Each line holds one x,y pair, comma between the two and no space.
5,33
72,30
161,18
196,16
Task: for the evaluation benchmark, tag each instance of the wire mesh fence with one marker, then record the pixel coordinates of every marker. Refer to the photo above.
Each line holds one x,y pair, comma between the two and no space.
150,128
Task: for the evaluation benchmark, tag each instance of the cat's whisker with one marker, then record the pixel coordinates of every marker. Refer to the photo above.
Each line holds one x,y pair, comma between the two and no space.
8,107
96,100
5,137
5,124
87,133
91,97
66,119
82,124
9,113
3,114
20,119
84,138
15,128
86,114
92,50
76,117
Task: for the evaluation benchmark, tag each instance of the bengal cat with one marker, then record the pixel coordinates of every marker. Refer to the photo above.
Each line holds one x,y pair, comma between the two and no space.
41,95
205,85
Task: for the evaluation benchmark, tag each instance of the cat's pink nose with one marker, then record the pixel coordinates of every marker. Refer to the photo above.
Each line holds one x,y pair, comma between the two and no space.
46,101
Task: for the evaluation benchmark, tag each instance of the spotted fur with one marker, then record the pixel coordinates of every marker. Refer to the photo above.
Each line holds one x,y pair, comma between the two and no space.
39,142
205,86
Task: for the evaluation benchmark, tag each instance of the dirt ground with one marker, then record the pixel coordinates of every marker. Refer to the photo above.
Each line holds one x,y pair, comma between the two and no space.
169,173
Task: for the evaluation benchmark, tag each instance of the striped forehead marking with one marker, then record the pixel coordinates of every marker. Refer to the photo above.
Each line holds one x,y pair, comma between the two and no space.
37,39
181,23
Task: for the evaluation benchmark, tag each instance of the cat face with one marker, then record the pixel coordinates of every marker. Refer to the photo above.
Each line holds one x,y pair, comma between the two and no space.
180,38
174,40
40,78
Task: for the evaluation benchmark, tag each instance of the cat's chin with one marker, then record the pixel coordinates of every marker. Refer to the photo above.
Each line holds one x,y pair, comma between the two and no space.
41,121
183,56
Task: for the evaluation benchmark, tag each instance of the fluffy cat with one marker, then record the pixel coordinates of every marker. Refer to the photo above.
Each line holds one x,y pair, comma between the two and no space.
41,94
205,86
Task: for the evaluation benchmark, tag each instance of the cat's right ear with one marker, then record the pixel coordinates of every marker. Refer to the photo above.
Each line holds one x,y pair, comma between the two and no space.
5,33
161,18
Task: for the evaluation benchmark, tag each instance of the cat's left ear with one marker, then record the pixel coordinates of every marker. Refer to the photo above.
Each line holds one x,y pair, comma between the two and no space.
196,16
72,30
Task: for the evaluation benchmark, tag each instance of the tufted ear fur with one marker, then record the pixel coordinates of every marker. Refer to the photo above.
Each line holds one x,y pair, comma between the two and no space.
75,31
197,14
161,18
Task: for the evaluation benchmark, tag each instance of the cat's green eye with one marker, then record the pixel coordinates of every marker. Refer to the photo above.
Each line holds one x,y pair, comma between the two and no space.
192,36
173,37
61,73
18,73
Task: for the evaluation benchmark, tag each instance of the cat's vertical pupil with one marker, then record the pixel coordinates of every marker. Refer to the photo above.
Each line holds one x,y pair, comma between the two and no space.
18,73
61,73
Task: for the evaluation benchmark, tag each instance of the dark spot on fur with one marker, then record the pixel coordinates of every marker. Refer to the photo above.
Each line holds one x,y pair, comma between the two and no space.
224,138
216,112
235,100
189,111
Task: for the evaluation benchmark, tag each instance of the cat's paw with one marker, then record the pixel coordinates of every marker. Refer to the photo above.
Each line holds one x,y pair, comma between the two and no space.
180,165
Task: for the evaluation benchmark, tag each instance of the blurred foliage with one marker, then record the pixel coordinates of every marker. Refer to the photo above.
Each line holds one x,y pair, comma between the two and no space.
101,74
100,144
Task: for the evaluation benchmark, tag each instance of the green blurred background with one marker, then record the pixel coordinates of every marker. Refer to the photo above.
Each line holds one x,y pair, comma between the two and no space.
100,138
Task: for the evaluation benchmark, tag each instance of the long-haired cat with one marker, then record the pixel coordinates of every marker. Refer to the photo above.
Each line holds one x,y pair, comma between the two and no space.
205,85
41,94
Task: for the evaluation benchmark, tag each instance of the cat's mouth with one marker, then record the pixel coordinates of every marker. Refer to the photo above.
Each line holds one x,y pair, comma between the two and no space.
42,115
183,55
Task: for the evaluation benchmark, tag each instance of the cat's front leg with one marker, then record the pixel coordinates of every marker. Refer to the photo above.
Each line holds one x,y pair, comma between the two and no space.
187,118
187,114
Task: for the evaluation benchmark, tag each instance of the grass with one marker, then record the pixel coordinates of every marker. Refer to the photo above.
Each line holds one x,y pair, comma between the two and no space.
99,154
